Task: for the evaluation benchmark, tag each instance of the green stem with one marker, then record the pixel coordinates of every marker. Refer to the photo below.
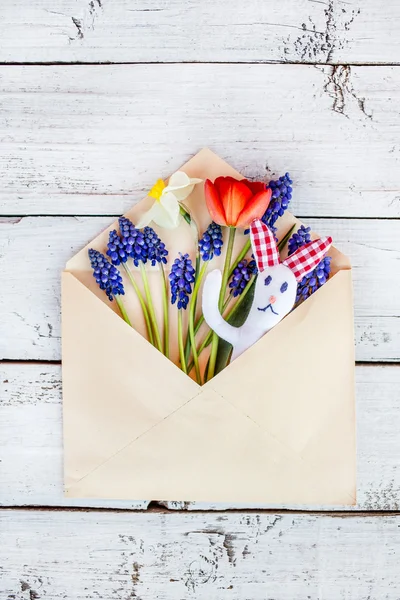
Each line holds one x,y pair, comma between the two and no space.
227,266
192,311
240,256
165,306
199,320
151,307
207,340
122,309
225,277
180,342
142,302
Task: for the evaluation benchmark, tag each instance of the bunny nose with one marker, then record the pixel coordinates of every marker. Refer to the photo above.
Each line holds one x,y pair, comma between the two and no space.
272,299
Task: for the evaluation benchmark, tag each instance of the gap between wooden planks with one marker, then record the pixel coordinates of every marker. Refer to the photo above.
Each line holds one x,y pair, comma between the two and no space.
31,441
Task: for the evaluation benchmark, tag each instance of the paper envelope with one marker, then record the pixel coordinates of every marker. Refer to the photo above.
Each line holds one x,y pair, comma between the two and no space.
277,426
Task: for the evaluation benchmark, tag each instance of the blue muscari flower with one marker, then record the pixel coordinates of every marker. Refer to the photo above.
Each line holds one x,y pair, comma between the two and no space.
299,238
211,242
280,199
314,280
181,279
130,244
140,245
241,276
155,250
107,276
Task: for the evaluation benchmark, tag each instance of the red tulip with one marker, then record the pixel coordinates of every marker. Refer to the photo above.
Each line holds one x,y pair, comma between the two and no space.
236,203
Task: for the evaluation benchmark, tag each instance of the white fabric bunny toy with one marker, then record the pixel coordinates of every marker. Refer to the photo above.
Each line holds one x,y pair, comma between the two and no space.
275,290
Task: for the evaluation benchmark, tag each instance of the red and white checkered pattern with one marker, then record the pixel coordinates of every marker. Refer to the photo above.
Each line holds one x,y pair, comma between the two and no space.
266,253
264,246
306,258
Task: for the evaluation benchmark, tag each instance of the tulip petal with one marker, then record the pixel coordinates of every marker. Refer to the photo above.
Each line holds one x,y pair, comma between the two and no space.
255,186
255,208
235,195
214,204
219,182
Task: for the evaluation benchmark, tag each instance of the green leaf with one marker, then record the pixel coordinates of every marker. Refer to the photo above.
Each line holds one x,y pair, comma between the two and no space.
286,238
237,320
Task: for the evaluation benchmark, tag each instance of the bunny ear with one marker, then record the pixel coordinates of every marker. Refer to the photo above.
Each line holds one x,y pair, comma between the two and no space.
308,257
264,246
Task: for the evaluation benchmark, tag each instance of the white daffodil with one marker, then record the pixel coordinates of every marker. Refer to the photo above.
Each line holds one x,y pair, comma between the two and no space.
166,209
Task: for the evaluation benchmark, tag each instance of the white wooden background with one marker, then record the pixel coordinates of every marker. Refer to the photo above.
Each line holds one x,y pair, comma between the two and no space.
99,97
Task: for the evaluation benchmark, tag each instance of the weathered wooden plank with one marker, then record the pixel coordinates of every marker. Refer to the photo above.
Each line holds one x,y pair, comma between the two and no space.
34,250
194,30
31,439
116,556
92,139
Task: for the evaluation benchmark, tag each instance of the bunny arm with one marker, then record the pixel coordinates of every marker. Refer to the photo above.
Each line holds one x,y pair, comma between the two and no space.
212,315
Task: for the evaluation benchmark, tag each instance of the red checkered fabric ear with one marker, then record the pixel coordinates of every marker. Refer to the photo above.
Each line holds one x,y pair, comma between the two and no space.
264,246
308,257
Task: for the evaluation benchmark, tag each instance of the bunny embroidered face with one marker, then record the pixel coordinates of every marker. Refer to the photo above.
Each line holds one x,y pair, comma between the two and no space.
274,295
275,290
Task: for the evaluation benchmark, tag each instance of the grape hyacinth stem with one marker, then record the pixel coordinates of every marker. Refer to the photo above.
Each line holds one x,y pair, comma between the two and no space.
208,339
165,307
180,342
240,257
192,311
188,344
142,302
152,313
199,323
209,245
122,310
225,277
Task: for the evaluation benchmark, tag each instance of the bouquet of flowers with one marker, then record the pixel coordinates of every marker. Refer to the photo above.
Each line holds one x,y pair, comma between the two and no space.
185,357
201,312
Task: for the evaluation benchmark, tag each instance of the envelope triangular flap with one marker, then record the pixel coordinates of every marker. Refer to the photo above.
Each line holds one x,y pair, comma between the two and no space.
205,451
115,384
296,376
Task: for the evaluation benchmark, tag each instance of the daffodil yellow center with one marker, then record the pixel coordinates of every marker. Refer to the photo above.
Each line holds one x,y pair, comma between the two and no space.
157,189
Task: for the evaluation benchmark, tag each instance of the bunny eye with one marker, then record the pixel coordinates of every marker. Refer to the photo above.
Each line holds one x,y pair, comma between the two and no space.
268,280
284,287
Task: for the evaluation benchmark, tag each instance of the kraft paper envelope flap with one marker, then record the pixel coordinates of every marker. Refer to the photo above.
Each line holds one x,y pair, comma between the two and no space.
207,451
210,441
115,421
110,392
